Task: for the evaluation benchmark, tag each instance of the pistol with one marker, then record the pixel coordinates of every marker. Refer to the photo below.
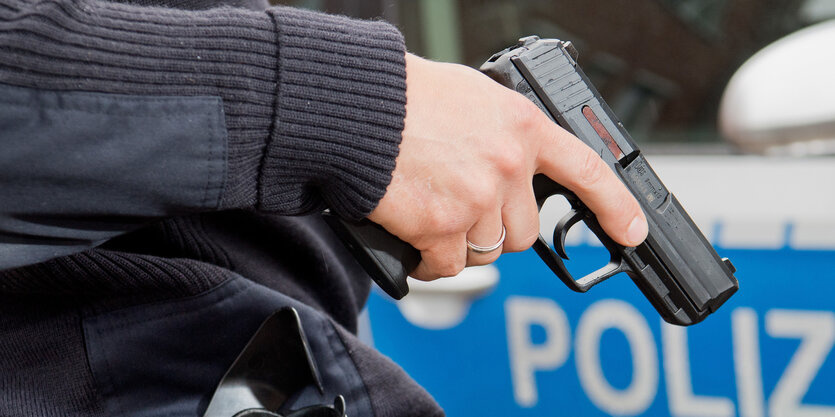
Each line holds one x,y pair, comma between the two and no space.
676,268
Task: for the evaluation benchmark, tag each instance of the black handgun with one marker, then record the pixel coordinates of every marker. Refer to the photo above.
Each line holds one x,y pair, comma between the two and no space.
676,267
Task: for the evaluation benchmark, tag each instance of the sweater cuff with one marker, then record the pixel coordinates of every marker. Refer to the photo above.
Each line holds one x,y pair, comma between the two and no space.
339,114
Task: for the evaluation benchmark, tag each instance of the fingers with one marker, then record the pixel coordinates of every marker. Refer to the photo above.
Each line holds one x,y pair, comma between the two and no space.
487,232
475,168
571,163
448,255
521,217
515,225
445,258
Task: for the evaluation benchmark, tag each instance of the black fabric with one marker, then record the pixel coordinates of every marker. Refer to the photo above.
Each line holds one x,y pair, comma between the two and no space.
43,363
313,107
313,104
170,263
165,359
81,168
105,47
256,5
356,93
391,390
300,255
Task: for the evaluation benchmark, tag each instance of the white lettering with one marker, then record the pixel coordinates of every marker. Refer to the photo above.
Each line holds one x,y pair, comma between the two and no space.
816,330
616,314
680,395
525,356
747,363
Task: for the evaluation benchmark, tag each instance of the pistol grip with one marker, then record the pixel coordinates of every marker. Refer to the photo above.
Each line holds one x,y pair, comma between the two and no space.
387,259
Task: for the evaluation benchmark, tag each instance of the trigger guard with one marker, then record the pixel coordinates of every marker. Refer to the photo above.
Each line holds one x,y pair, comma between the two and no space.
561,231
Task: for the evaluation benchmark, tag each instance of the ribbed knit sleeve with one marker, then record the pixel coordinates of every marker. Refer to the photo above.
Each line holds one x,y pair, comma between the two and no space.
341,107
313,104
103,47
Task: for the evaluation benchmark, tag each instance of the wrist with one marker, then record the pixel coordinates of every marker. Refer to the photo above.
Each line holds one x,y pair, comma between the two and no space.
339,114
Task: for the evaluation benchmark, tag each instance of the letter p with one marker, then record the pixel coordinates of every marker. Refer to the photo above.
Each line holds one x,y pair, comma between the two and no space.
525,356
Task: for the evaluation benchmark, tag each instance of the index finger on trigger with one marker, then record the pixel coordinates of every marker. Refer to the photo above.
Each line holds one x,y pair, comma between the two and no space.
571,163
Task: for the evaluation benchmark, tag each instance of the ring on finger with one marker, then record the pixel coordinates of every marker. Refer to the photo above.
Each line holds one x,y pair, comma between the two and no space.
487,249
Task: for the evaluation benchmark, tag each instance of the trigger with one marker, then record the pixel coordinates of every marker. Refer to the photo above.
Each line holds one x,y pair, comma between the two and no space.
571,218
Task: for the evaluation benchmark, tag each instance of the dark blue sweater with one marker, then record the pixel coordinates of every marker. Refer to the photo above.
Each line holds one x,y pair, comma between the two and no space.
152,155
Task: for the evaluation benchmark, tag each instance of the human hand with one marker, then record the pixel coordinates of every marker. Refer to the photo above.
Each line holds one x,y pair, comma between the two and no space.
469,151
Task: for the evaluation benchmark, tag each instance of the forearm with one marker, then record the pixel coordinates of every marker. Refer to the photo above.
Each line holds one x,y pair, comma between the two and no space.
310,109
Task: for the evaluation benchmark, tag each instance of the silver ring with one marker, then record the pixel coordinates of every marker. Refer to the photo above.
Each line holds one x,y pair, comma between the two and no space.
487,249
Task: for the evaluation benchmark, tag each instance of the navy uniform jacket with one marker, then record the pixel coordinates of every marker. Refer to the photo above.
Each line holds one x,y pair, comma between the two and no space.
161,171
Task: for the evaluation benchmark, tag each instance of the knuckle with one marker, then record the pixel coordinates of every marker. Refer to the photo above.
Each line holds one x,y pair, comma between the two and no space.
592,171
439,223
485,197
438,219
479,194
623,203
449,267
626,205
525,241
526,116
510,161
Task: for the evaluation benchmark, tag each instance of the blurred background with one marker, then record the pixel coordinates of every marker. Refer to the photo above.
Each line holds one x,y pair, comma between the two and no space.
662,65
734,104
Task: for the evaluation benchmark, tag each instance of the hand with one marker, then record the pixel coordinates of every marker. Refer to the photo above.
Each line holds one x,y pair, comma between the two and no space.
469,151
